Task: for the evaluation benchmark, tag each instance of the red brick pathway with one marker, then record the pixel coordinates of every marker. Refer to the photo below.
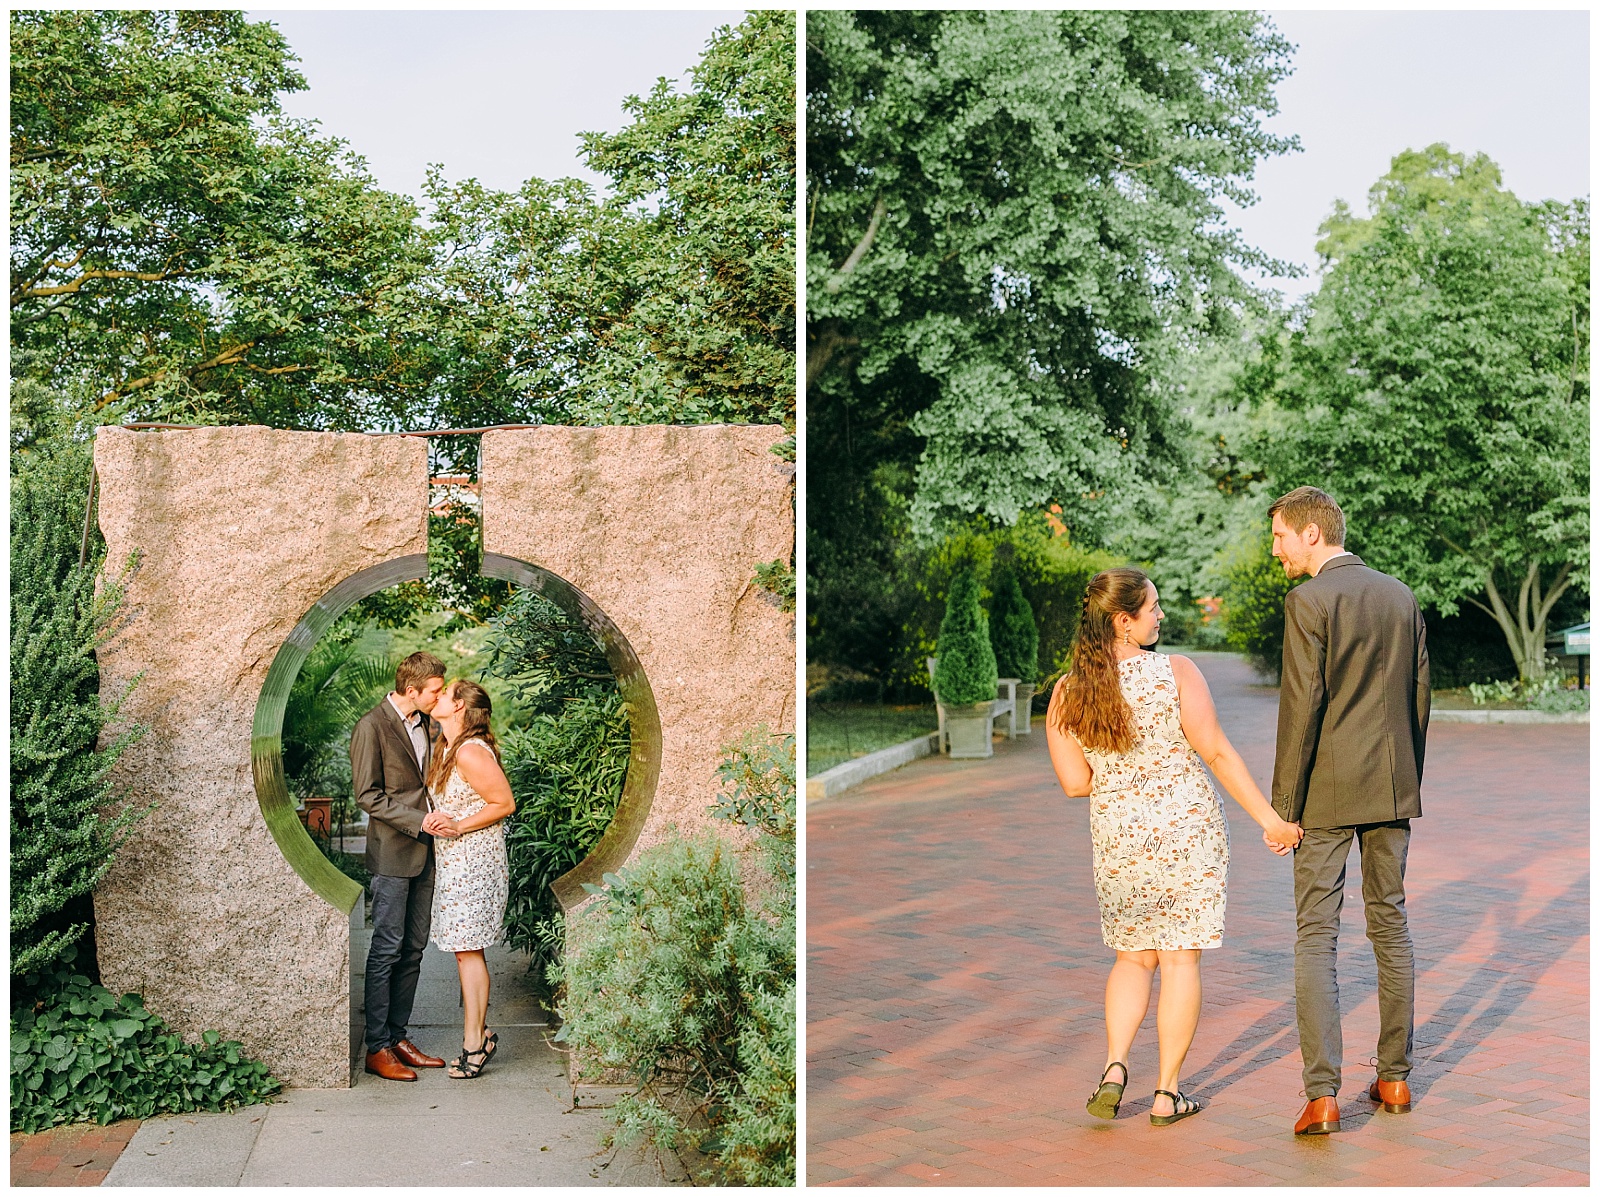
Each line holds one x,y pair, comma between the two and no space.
80,1154
955,982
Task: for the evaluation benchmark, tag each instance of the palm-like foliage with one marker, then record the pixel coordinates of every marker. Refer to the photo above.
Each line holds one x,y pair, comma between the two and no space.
342,678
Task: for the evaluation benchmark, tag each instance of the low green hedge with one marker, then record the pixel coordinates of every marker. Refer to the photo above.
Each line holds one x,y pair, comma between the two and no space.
78,1054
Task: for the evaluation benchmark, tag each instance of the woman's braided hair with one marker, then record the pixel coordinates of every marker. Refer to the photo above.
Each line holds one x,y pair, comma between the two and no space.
1088,701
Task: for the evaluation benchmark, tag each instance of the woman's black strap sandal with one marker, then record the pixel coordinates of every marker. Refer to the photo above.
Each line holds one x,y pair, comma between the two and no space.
1182,1107
468,1065
1107,1099
491,1042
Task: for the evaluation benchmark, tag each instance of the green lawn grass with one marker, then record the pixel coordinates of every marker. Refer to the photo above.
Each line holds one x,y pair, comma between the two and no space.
837,732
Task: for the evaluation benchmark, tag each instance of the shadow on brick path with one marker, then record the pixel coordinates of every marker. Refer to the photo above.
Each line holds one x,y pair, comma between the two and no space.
955,979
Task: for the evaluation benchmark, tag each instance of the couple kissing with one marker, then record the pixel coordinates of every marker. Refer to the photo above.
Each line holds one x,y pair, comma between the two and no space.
425,767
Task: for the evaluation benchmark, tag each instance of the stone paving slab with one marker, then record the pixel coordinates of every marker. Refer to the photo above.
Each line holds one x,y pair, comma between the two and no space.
956,975
514,1125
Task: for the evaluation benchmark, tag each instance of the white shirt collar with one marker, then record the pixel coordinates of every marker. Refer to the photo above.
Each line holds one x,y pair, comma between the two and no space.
1335,557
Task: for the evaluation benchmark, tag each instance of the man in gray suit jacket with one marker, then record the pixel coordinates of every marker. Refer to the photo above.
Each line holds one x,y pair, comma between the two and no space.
1352,726
390,750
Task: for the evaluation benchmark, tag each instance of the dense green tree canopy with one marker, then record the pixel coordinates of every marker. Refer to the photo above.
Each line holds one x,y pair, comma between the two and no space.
1010,216
1440,390
672,300
1003,209
181,250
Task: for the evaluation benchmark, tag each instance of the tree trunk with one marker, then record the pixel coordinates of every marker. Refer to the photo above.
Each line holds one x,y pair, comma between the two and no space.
1525,628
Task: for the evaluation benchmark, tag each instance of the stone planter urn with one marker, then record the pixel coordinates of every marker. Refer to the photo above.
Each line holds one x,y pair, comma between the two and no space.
969,729
1025,692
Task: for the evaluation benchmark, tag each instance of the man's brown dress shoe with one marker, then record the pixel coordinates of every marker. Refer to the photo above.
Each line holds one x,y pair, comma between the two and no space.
1320,1117
411,1054
387,1065
1393,1096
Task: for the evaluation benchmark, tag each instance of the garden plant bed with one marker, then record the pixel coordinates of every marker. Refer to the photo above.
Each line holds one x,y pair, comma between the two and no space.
839,732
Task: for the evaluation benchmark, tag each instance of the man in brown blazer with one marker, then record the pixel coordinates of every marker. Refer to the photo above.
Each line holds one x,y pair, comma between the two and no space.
390,750
1352,726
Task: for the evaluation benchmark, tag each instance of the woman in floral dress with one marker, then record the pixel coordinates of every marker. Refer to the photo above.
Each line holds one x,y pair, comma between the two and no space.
471,799
1129,729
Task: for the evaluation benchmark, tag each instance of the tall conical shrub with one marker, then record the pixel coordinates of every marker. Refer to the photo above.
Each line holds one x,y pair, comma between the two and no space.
966,671
1012,629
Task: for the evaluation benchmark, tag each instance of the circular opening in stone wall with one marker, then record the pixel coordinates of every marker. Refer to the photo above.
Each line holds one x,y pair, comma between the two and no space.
634,718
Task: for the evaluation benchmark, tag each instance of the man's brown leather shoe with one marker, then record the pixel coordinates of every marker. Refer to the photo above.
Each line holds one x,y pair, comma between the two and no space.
1393,1096
1320,1117
387,1065
415,1056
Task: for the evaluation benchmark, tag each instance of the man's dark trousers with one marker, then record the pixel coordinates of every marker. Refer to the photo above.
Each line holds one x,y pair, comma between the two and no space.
1319,872
401,908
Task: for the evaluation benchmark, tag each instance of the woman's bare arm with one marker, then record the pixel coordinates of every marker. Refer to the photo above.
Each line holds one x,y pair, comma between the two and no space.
1198,714
1066,754
480,767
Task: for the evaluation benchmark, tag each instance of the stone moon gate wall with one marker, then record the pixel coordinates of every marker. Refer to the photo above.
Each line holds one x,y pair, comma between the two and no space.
252,539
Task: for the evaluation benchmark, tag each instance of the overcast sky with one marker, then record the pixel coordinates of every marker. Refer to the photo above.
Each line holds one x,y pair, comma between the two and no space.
1367,85
499,96
502,95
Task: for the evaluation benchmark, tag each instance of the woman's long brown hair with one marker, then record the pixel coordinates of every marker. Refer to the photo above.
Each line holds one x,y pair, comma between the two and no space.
1088,701
474,700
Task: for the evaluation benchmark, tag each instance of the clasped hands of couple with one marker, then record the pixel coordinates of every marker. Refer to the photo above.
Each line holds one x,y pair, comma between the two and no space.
1284,837
436,822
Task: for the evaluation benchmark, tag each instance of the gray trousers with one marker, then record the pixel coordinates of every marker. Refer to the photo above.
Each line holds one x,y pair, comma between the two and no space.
402,913
1319,869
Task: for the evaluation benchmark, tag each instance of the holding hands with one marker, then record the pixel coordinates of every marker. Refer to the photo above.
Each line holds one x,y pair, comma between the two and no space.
1283,838
438,823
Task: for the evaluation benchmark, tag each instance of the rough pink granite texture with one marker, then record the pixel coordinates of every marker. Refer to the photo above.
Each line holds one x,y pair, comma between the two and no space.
241,531
663,527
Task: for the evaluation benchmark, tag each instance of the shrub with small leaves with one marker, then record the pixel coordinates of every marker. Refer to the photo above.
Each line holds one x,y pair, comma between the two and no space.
1252,606
79,1054
677,980
66,823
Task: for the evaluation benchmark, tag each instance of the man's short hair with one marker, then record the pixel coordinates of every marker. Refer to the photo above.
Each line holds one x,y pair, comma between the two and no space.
413,673
1308,505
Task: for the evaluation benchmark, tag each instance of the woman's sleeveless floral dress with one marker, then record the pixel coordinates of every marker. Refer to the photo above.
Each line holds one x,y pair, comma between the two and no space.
472,877
1160,836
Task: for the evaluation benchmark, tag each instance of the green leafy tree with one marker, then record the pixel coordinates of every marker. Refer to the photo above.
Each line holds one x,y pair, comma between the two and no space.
65,822
1003,208
1442,391
1012,229
966,671
672,300
1012,630
180,249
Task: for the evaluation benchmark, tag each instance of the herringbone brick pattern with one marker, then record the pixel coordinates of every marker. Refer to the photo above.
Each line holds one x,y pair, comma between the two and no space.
956,974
